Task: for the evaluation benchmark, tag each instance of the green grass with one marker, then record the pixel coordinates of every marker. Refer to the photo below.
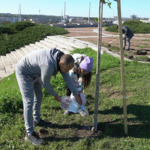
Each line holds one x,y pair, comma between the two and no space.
146,40
144,46
66,131
142,58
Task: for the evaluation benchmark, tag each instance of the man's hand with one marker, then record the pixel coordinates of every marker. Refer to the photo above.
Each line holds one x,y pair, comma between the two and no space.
78,99
58,98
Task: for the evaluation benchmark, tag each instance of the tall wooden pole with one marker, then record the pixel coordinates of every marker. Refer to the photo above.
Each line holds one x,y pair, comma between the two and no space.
98,63
122,68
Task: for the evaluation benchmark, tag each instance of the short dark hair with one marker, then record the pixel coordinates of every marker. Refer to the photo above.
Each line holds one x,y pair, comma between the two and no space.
67,59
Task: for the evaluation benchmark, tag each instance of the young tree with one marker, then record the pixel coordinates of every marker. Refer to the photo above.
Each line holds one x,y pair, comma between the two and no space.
101,2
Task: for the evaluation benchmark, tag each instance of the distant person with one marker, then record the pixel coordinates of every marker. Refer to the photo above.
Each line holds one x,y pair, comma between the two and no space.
128,34
34,71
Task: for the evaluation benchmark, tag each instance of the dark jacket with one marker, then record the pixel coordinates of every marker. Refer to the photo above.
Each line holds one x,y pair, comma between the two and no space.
128,33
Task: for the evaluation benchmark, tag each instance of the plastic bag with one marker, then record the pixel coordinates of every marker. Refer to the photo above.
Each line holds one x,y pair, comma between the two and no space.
65,101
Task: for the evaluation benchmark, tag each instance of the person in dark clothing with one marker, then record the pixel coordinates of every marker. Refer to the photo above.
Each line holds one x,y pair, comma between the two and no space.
128,34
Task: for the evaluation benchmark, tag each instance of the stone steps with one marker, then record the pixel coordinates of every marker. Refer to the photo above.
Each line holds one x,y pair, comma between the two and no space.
8,68
66,41
54,44
59,43
2,69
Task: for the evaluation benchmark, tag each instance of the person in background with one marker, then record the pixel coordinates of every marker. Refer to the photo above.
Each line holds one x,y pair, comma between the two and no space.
128,34
34,71
81,76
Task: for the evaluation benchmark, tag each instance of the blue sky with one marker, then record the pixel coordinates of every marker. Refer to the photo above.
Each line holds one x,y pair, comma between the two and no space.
75,7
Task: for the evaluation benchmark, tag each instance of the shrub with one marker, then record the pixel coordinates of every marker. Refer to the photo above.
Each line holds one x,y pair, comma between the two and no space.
24,34
5,30
135,25
111,28
19,26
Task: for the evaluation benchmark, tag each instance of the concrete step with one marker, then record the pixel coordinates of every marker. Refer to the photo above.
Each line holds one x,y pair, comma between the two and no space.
50,44
2,67
21,52
29,48
12,59
60,43
40,44
17,55
24,50
67,41
47,45
2,74
5,60
9,70
8,67
35,46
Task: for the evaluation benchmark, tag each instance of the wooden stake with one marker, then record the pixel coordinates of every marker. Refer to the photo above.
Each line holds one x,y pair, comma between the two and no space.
122,68
98,63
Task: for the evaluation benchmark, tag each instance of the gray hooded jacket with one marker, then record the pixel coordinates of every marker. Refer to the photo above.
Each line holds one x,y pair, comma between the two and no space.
43,64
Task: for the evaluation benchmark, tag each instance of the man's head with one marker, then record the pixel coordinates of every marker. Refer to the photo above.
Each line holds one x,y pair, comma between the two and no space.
66,63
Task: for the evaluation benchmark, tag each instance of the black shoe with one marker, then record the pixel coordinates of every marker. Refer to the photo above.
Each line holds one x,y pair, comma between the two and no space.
43,123
34,139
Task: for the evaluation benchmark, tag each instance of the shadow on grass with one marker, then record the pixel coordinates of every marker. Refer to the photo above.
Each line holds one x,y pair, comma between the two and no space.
77,132
138,127
58,139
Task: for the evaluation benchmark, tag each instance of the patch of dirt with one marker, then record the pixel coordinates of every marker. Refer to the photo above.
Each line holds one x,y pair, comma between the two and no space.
85,33
43,132
84,133
116,95
81,132
113,94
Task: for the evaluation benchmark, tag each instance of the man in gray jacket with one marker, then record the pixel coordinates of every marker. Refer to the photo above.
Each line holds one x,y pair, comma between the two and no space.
128,34
34,71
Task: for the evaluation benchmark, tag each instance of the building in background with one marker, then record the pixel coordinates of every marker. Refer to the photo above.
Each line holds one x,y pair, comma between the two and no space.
133,17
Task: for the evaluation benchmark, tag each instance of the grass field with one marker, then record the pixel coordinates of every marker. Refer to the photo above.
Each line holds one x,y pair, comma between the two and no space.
73,132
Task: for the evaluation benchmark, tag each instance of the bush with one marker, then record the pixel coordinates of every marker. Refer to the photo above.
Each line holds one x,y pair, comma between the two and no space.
19,26
5,30
24,34
135,25
111,28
